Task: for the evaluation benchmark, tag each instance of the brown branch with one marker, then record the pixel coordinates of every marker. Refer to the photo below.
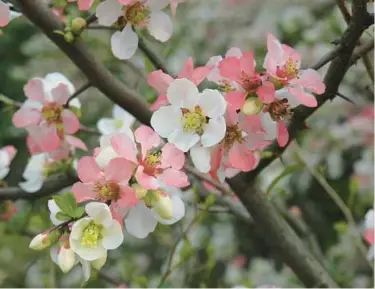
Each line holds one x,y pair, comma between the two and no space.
51,186
278,233
39,13
275,231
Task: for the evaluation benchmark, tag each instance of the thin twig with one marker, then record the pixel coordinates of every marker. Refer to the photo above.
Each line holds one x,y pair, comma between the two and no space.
171,268
154,58
336,198
206,178
344,97
80,90
9,101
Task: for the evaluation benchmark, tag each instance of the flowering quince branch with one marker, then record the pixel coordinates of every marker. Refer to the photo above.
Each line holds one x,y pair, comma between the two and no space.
80,90
223,129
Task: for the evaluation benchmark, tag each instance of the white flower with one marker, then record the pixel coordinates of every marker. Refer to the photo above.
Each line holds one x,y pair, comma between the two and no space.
34,173
121,122
134,13
66,259
192,117
92,236
165,207
86,265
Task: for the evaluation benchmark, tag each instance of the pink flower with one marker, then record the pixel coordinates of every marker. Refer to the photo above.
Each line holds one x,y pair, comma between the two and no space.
283,65
160,81
242,71
83,4
153,164
44,111
4,14
109,184
243,140
7,154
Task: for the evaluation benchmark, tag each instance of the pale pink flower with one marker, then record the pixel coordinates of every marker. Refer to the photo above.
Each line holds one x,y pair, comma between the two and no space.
244,138
4,14
160,81
153,164
242,71
128,13
83,4
283,65
7,154
108,184
45,108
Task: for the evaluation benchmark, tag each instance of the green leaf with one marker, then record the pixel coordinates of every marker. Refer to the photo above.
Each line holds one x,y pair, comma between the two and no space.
287,171
67,203
61,216
79,212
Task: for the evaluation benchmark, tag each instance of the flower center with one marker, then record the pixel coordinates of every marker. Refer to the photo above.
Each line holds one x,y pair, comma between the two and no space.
153,159
250,83
92,234
279,110
225,87
288,71
233,134
118,123
51,113
136,14
109,191
193,120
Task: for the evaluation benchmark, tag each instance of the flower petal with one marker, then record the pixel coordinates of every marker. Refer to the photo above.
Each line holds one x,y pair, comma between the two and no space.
303,97
212,103
88,170
118,170
214,132
236,99
201,158
125,147
162,100
146,181
113,236
147,137
108,12
230,68
60,94
34,89
4,14
159,81
140,221
160,25
100,213
175,178
83,192
240,157
26,116
70,121
124,43
183,140
128,197
282,133
32,185
172,157
183,93
166,119
266,92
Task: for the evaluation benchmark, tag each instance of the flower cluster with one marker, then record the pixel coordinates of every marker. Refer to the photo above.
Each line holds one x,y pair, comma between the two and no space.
132,181
50,120
225,128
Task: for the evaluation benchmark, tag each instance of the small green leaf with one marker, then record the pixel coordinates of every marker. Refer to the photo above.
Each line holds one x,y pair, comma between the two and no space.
79,212
210,200
67,203
61,216
287,171
60,32
187,251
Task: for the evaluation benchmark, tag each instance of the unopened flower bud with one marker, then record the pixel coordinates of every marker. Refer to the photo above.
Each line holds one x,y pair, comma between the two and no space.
162,205
69,37
78,25
66,258
140,191
44,240
252,106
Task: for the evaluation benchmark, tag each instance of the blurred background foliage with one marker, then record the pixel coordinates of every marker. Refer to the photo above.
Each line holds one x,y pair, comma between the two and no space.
219,250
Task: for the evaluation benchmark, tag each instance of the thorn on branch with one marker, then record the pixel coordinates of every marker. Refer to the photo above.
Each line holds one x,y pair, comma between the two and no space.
345,97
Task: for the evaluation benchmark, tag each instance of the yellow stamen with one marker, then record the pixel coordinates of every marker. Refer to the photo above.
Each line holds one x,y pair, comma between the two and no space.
92,234
193,121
